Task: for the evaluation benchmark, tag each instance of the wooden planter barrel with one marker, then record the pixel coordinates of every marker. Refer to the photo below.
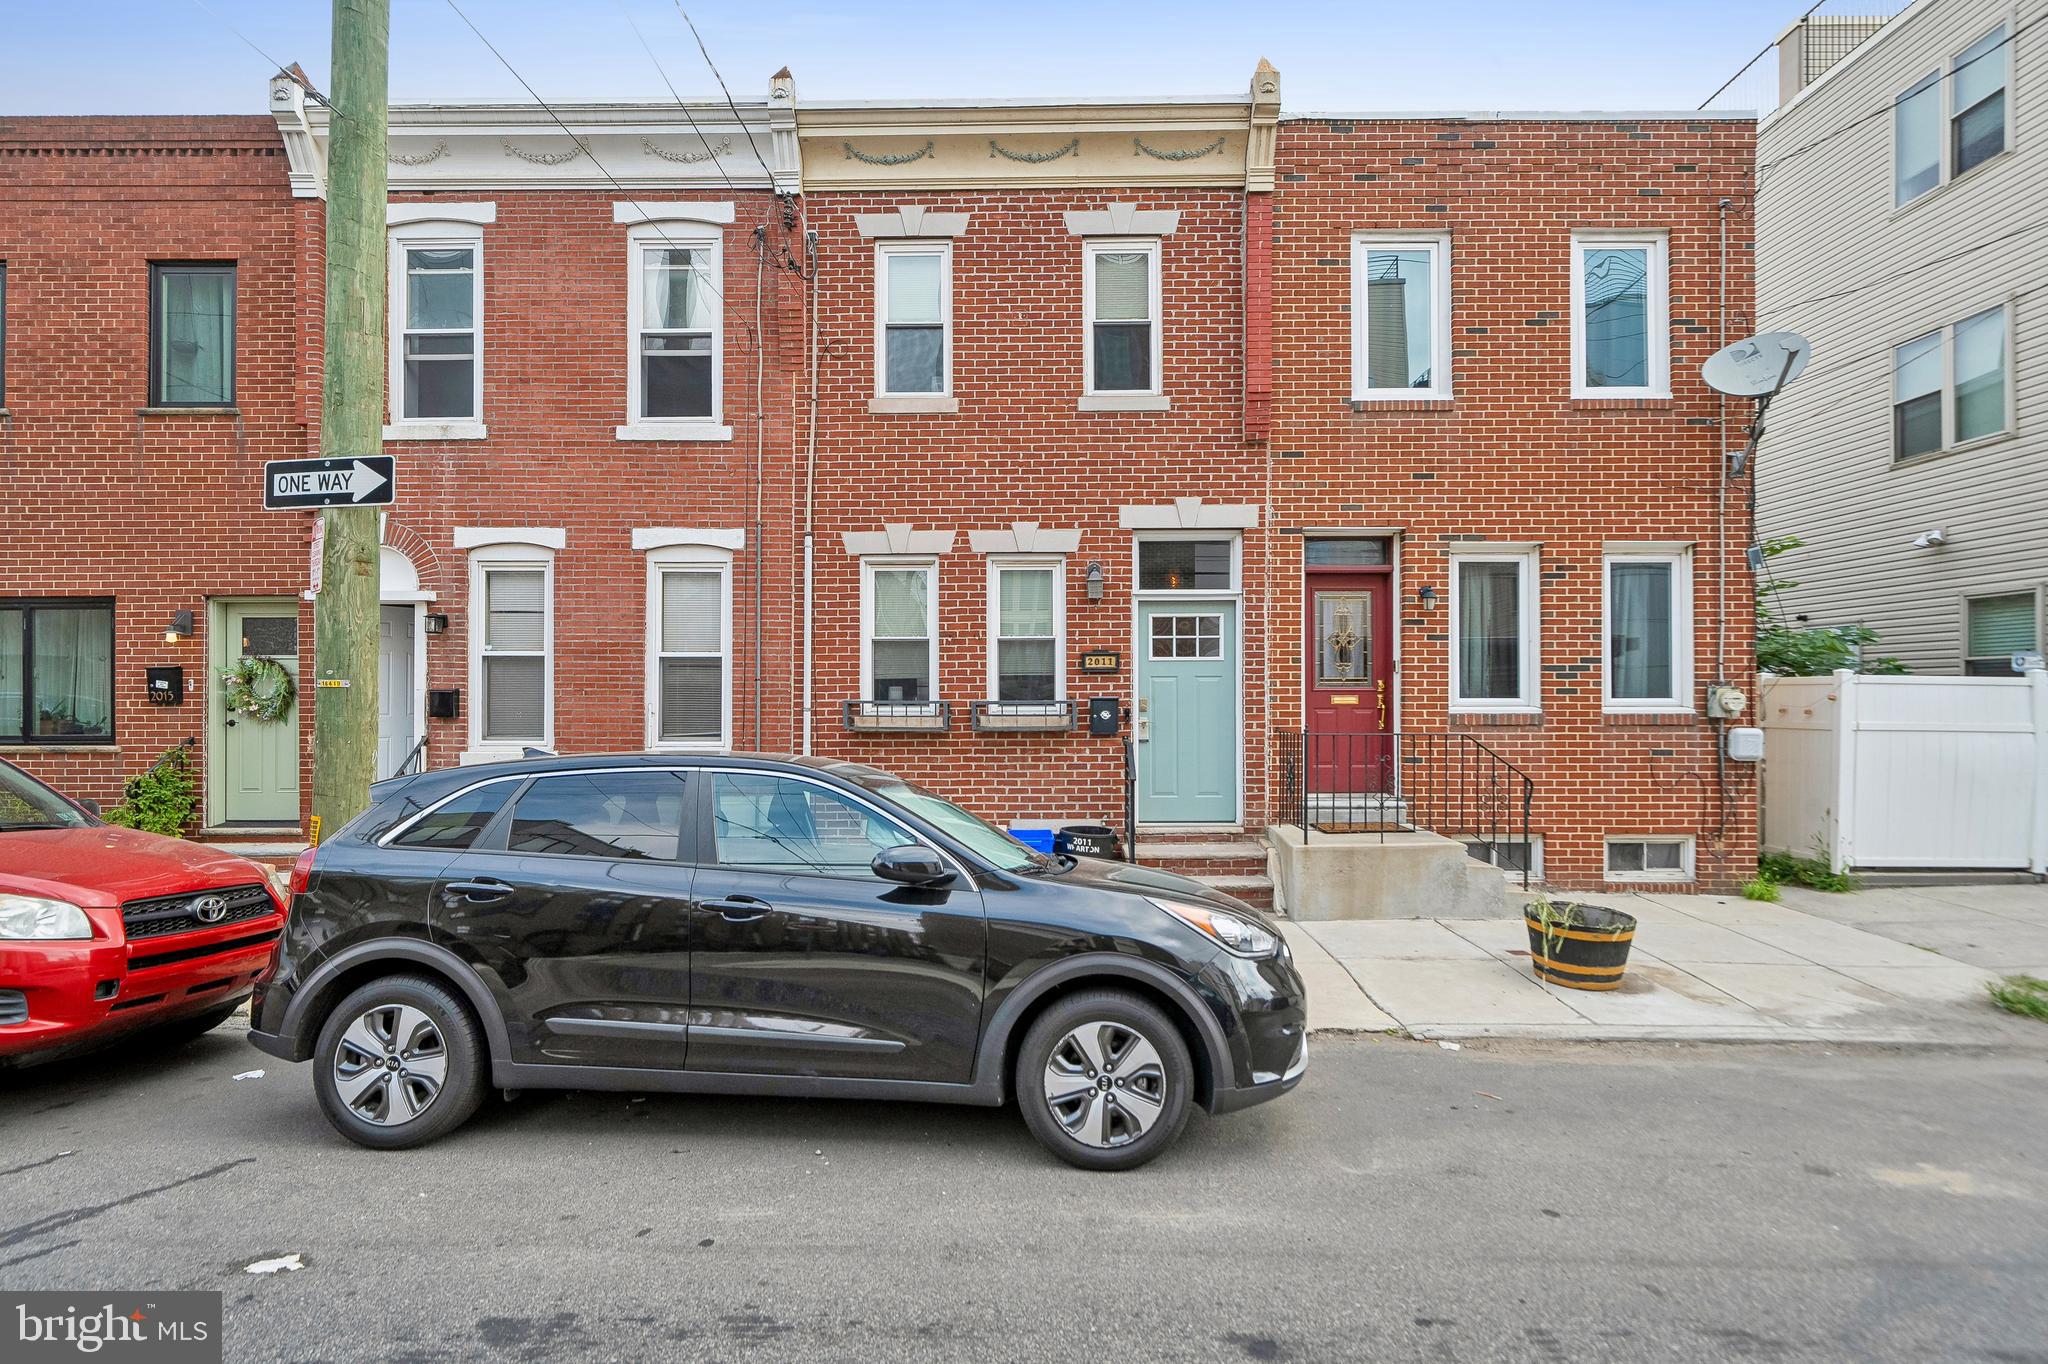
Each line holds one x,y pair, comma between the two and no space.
1587,952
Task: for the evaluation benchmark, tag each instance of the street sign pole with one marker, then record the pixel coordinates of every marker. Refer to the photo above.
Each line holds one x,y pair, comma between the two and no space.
344,693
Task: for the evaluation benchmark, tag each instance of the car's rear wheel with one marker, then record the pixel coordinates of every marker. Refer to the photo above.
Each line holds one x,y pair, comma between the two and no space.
1104,1080
399,1063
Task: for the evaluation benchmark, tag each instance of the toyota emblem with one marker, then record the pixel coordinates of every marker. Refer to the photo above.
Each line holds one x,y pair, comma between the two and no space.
209,909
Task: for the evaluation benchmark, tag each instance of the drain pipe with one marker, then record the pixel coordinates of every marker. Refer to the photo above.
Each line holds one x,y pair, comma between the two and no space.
1720,731
810,478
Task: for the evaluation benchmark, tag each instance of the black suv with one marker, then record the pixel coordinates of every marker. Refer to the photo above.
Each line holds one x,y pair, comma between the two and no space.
748,925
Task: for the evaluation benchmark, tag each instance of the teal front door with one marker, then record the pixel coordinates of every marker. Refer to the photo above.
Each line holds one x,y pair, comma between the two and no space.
1189,726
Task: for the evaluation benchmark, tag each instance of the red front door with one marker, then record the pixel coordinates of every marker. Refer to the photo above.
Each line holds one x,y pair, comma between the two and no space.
1348,680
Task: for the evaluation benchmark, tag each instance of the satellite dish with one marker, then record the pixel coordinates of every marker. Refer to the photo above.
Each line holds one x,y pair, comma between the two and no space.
1762,364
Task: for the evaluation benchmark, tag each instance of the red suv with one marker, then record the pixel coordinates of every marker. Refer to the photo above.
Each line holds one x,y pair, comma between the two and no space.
104,930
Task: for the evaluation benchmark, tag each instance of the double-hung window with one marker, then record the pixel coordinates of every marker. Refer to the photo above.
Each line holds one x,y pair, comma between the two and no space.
191,335
1996,628
1621,327
1122,291
514,652
1952,120
1400,318
1648,625
900,630
913,319
676,379
1952,386
56,672
690,649
1026,607
1493,633
437,324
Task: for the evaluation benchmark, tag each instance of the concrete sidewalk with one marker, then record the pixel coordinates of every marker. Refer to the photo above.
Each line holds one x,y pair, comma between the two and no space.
1704,968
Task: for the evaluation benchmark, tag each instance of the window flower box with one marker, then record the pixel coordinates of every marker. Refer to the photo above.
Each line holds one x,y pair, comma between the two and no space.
1024,715
898,717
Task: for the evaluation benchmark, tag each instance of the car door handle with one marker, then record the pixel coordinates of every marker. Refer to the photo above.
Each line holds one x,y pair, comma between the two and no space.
478,892
738,909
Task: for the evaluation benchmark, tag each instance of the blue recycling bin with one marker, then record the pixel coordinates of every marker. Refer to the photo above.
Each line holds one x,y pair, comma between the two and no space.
1038,840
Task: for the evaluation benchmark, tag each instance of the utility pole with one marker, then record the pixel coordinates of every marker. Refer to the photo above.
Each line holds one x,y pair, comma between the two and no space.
351,416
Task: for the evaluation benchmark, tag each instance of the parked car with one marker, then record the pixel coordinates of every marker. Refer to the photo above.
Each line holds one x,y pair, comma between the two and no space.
747,925
105,930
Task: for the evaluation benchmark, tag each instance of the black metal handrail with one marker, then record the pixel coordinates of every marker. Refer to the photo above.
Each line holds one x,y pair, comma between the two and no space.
1441,783
418,755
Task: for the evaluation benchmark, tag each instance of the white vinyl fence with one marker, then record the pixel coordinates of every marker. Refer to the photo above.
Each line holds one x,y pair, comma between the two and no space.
1876,772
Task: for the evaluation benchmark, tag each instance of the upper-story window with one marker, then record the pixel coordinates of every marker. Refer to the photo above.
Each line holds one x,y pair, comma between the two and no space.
675,321
191,335
1621,328
1951,121
3,333
1950,386
1122,288
437,327
1400,318
913,318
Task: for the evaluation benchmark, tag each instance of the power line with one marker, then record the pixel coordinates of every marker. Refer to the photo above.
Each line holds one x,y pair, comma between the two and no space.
728,92
279,66
1912,269
1760,52
717,163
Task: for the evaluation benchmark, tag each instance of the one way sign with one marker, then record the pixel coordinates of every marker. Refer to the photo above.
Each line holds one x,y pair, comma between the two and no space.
365,481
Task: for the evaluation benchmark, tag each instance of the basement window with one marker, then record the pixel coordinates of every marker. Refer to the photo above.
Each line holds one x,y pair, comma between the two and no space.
1649,858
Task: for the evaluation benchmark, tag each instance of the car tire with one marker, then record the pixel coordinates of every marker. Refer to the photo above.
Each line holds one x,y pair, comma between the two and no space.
1102,1120
438,1077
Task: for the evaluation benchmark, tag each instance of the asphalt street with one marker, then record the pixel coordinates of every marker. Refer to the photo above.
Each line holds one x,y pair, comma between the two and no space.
1503,1201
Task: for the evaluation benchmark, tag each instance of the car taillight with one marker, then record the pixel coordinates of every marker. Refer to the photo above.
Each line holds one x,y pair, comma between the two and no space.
302,872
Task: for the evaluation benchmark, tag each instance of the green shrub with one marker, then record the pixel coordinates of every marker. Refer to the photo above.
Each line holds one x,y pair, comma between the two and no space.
1760,888
1811,872
161,800
2026,996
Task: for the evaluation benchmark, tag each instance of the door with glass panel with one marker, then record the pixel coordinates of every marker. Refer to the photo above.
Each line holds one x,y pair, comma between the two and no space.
257,771
1190,722
1348,662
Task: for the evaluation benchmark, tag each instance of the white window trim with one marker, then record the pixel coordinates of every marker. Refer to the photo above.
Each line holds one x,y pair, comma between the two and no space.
688,558
943,249
868,565
1963,655
1530,698
1091,248
413,234
682,235
1680,702
1658,322
1439,248
1945,116
997,565
1683,872
516,557
1949,413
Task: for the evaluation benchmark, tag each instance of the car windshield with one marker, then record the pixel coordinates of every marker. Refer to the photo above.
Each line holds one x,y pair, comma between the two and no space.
985,839
26,803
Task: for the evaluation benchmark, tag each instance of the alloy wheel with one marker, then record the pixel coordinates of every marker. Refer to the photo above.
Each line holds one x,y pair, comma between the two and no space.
390,1064
1105,1084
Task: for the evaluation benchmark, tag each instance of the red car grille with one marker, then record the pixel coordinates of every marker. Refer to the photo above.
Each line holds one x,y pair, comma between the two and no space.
180,913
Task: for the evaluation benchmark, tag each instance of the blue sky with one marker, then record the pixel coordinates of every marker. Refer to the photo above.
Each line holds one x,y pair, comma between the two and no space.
180,56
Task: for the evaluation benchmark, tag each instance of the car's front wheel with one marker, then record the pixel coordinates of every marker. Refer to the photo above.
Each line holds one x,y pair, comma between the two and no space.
1104,1080
399,1063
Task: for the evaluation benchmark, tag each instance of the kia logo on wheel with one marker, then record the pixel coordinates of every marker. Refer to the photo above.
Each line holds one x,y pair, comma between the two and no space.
209,909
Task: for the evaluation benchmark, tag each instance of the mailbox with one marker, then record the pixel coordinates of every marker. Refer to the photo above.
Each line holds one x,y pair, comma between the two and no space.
1105,715
166,686
444,703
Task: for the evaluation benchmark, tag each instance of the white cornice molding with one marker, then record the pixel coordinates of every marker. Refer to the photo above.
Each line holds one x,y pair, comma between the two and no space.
784,154
1024,537
440,211
674,537
898,539
1189,513
635,212
1123,220
489,537
910,220
305,154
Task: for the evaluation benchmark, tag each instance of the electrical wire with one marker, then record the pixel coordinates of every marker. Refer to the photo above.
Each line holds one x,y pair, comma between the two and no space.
1913,269
728,92
279,66
717,163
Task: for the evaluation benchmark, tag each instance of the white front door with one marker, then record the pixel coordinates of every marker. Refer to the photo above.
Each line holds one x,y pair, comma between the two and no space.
395,736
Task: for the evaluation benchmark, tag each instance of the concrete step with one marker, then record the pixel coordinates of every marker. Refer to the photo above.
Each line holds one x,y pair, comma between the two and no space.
1410,875
1256,891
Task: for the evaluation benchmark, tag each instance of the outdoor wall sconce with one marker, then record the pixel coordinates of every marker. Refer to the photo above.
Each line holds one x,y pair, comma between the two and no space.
179,628
437,623
1094,582
1425,597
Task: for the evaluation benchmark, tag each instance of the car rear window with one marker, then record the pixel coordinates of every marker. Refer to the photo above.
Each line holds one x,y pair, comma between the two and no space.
601,814
454,826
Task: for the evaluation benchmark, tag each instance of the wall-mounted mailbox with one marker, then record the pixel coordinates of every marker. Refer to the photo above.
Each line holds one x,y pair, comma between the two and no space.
444,703
1105,715
166,686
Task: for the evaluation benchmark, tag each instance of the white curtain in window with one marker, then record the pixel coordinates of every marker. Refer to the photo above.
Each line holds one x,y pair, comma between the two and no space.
902,603
198,335
913,288
678,291
1489,632
1980,375
1639,618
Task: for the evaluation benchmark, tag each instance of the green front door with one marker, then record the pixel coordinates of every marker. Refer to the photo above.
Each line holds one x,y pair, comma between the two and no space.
1188,721
257,771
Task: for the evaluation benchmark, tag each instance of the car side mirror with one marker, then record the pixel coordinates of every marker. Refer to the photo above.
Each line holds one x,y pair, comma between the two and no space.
913,864
91,807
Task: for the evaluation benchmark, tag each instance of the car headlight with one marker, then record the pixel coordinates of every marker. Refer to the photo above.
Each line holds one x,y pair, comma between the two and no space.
32,916
1238,935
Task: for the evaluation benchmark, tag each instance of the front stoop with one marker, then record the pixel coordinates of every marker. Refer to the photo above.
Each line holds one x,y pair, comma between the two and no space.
1232,863
1408,875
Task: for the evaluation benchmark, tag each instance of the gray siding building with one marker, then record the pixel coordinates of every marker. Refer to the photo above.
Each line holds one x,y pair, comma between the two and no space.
1902,227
